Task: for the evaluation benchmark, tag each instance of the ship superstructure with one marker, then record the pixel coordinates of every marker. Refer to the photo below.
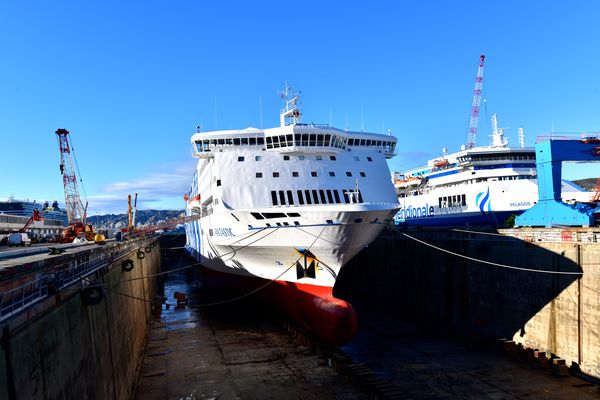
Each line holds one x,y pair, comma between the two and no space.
483,185
25,208
291,204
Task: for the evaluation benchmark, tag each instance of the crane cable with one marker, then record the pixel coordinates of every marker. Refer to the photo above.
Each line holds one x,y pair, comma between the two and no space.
78,171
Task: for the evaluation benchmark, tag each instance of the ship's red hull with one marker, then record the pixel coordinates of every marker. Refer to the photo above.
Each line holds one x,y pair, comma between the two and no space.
312,307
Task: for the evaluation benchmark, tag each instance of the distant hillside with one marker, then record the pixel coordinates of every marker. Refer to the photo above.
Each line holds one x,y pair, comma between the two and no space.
143,217
588,184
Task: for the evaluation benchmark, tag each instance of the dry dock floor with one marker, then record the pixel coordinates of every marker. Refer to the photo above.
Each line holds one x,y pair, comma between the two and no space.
230,352
424,364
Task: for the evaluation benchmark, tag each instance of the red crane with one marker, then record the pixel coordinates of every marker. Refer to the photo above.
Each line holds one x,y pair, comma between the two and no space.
76,211
475,105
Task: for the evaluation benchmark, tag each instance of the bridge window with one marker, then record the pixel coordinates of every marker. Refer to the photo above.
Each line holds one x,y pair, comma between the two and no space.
322,196
244,141
331,173
315,196
297,137
312,139
221,141
307,195
252,141
259,174
282,197
275,174
286,158
362,174
332,158
240,158
348,173
290,198
274,197
346,197
337,196
300,197
236,141
260,141
350,142
313,173
329,197
304,139
295,174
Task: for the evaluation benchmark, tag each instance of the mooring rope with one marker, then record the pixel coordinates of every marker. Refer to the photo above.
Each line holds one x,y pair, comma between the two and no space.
490,262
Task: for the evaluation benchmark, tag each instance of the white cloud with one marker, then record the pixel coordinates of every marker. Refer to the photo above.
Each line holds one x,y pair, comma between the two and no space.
159,190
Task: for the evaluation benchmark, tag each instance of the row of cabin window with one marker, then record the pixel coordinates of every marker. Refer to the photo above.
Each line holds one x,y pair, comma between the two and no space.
304,139
204,145
317,157
314,196
452,201
296,174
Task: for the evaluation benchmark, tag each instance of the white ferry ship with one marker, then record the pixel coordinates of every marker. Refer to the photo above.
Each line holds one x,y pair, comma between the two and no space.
289,206
480,186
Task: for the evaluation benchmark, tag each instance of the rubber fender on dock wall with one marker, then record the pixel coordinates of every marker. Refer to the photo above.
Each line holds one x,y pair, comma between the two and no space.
127,265
141,255
92,295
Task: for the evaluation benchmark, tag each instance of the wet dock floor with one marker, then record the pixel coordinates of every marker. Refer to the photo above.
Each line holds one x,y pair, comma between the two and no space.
240,351
234,351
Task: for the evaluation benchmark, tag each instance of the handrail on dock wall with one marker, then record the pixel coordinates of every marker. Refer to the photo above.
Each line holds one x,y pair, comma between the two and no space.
45,283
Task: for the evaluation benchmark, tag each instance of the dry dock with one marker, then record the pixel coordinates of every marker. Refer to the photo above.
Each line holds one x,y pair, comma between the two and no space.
430,324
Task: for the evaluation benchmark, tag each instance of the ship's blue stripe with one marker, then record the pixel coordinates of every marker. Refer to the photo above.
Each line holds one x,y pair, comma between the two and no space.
443,174
462,219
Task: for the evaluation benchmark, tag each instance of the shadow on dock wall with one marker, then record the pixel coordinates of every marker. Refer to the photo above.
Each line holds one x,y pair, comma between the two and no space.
552,312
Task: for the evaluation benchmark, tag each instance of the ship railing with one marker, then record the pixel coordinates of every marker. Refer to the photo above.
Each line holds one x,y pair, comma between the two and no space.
568,136
46,283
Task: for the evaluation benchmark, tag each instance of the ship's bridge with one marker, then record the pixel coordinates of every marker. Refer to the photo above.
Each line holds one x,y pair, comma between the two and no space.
298,138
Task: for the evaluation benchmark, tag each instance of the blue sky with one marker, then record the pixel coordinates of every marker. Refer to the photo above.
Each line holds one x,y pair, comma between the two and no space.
131,81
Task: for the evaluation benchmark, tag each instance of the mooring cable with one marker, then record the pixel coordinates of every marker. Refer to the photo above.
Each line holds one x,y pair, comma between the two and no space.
216,303
490,262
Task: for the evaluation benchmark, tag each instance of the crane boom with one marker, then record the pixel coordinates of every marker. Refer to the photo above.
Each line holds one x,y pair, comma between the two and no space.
474,120
76,212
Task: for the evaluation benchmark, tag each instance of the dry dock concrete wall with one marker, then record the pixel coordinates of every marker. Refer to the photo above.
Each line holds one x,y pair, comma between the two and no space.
555,308
72,350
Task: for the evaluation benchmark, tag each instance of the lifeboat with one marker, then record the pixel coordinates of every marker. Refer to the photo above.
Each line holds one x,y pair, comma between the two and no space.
410,182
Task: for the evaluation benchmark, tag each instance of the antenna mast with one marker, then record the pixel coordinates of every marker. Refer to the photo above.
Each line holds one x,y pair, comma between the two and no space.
521,137
290,115
475,105
76,212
